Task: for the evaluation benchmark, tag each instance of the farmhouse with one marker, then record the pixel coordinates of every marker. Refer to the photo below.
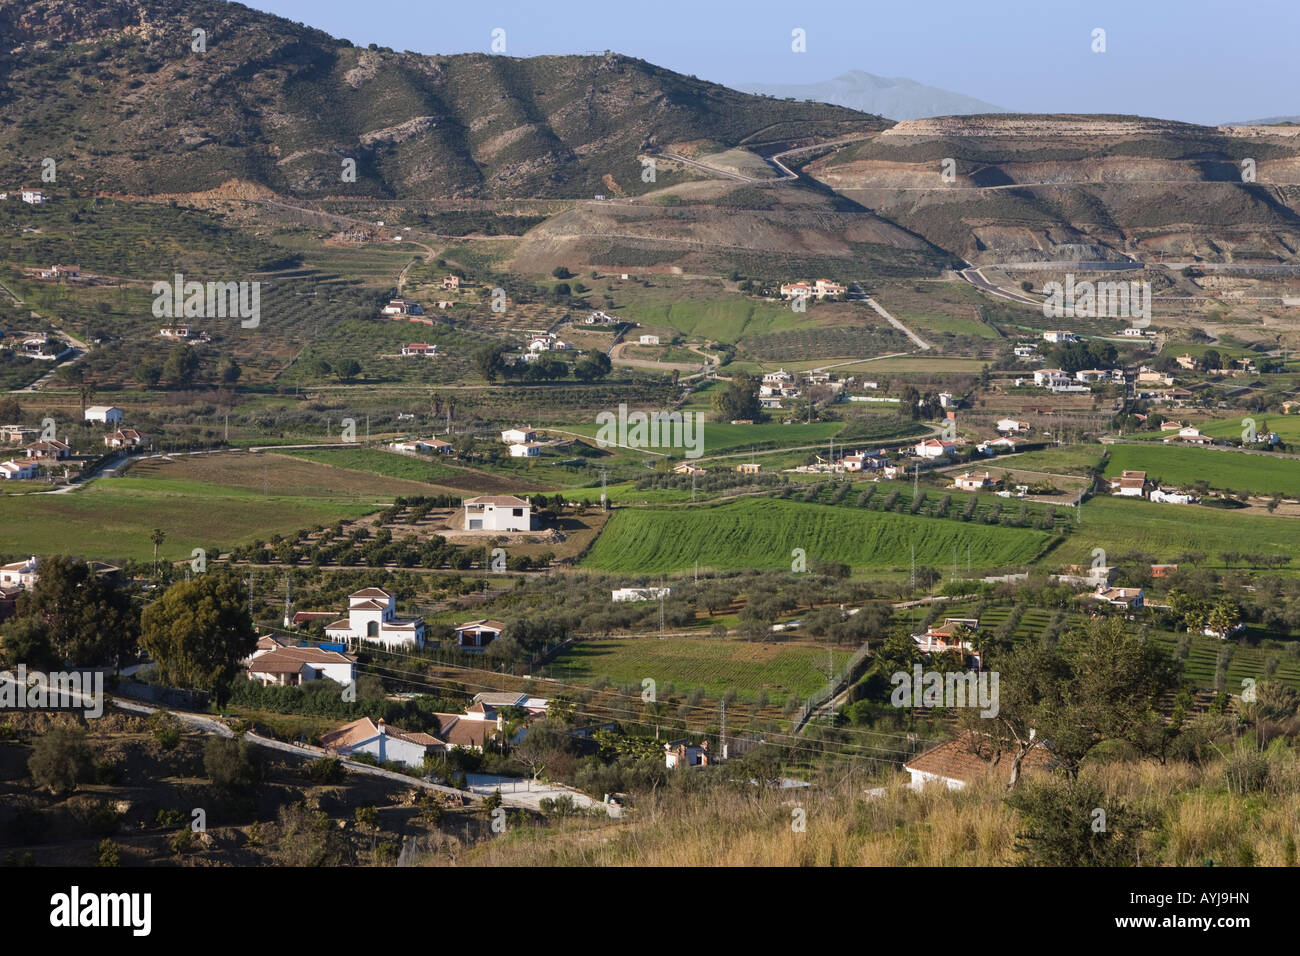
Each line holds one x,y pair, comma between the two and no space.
517,436
107,414
424,446
1060,336
933,448
420,348
748,468
683,753
33,196
478,634
686,468
382,742
127,438
292,666
17,434
1011,426
973,481
1172,496
18,470
53,448
1129,484
498,513
1149,376
649,340
1128,598
20,574
997,445
600,318
1189,435
528,449
1088,375
1025,351
1187,361
451,282
487,706
970,758
1051,378
175,332
402,307
620,595
1163,570
819,289
952,634
371,618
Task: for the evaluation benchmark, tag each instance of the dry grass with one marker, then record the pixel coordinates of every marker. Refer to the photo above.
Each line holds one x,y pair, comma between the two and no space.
738,825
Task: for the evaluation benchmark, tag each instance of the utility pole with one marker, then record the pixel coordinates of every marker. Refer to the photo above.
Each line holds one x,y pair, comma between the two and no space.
913,569
661,611
603,505
722,730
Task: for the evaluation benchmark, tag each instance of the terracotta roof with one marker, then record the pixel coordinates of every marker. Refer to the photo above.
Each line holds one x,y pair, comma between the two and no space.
971,757
493,625
501,501
369,593
359,731
291,659
465,733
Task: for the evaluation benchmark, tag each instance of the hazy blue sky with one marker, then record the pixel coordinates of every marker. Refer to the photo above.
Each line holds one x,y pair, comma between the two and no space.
1192,60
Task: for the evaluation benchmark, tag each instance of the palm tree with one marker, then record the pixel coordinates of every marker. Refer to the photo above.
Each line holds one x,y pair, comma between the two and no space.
157,538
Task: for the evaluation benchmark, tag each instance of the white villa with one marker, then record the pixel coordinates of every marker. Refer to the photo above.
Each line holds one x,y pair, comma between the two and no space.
528,449
18,470
498,513
275,662
371,618
639,594
517,436
107,414
20,574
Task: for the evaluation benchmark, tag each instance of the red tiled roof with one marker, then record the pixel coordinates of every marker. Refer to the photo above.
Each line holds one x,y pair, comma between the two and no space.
973,756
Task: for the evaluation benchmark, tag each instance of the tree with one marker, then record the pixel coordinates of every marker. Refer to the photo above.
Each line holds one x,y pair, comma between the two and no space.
86,619
233,766
593,365
1072,823
739,399
27,641
60,759
560,272
228,371
198,631
148,374
488,361
157,536
182,365
347,369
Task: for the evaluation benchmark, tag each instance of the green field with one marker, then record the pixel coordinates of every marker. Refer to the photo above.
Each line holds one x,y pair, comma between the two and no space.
714,665
113,518
1181,465
722,437
1286,426
377,462
761,533
1120,525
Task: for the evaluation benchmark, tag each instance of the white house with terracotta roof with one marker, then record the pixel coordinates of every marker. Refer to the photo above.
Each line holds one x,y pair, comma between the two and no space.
968,759
19,574
933,448
1129,484
292,666
528,449
973,481
127,438
476,635
383,742
372,618
498,513
52,448
420,348
1129,598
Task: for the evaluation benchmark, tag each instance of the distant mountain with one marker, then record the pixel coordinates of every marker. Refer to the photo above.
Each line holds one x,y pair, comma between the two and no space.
893,96
115,92
1271,121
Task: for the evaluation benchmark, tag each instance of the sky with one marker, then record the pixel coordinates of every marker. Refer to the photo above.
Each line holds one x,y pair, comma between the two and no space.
1191,60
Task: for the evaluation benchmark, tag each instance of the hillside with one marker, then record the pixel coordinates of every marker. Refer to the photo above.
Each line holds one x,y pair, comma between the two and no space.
893,96
113,92
1028,187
